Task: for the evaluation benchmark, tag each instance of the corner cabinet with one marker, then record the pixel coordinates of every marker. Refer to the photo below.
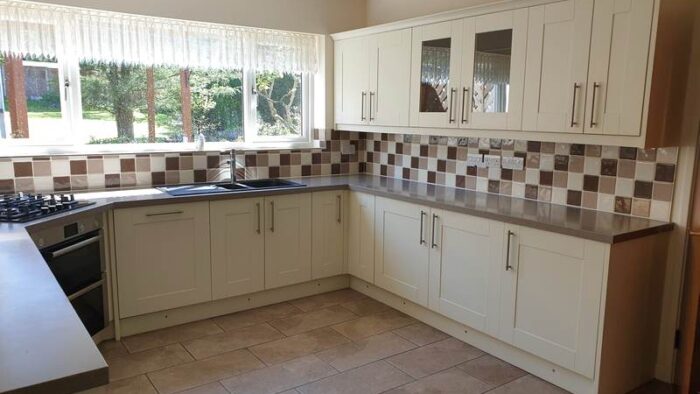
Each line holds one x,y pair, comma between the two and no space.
370,79
577,71
162,257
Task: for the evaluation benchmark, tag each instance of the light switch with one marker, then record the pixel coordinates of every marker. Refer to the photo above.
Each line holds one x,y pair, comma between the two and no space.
475,160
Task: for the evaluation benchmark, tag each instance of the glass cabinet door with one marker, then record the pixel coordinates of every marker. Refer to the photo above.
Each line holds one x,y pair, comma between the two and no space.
493,70
435,75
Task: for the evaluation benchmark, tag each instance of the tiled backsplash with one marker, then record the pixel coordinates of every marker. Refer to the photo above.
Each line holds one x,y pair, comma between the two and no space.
613,179
624,180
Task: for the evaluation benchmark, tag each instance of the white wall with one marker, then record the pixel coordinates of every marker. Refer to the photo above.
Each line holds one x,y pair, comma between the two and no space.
384,11
311,16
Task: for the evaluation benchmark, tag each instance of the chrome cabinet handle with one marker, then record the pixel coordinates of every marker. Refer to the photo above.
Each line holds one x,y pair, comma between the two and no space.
508,266
362,110
371,94
272,216
422,216
465,91
433,243
573,105
452,99
257,206
74,247
164,213
340,207
596,85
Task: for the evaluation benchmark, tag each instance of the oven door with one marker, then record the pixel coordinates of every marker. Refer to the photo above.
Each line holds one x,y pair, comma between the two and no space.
77,265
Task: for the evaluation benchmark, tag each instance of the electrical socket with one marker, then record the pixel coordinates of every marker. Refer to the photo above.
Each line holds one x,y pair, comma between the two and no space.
475,160
512,163
492,161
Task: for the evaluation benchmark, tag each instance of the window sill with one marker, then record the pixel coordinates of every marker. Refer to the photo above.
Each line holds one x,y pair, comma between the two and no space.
114,149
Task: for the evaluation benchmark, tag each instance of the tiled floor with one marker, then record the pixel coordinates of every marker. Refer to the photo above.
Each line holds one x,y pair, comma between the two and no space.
338,342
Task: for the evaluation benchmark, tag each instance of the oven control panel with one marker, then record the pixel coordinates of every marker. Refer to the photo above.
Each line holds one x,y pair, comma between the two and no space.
59,232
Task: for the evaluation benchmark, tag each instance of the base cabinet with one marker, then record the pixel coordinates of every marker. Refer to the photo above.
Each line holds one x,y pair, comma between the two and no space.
287,240
237,247
401,249
551,296
328,229
361,236
465,267
162,257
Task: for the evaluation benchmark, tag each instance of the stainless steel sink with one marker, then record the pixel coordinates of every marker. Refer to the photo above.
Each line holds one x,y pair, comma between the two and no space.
227,187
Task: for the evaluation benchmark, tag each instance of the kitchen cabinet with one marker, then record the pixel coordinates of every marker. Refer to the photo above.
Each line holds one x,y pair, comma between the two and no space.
466,255
361,236
287,239
618,66
372,79
556,76
401,249
493,71
162,257
552,288
237,247
351,80
328,229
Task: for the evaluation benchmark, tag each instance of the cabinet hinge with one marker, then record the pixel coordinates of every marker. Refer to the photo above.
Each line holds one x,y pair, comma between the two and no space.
677,340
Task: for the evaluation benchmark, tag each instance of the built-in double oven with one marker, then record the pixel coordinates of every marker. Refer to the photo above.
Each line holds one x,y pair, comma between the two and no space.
74,252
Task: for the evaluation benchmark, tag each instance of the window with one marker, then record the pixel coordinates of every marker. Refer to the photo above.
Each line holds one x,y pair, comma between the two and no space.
107,86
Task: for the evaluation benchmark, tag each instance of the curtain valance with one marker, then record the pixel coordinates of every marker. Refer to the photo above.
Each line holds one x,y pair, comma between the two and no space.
28,28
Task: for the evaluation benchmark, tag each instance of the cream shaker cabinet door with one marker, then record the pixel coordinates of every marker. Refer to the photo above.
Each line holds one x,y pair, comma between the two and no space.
352,81
390,78
402,252
328,229
237,247
557,66
618,66
361,236
287,239
493,71
435,79
551,296
466,255
162,257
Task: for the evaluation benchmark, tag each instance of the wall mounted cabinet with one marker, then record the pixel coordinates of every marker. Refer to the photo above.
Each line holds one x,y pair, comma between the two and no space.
607,72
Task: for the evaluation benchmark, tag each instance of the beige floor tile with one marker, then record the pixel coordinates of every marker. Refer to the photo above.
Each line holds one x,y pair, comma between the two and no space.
372,378
292,391
298,345
421,334
197,373
365,307
211,388
351,355
170,335
147,361
256,316
280,377
435,357
373,324
135,385
325,300
231,340
112,348
492,370
528,384
452,381
311,320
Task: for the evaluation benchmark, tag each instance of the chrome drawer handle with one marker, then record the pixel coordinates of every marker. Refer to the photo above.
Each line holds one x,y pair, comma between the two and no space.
508,266
77,246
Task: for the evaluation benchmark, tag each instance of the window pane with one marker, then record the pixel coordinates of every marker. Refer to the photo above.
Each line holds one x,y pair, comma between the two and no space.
31,89
217,104
168,104
279,104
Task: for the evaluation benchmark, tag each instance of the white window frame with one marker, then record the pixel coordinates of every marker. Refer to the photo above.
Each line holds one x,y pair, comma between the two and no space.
71,110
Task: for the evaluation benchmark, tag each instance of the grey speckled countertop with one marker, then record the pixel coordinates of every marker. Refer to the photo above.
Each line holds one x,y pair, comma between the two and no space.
44,347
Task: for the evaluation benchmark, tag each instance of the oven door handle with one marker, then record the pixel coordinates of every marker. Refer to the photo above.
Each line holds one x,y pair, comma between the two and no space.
76,246
85,290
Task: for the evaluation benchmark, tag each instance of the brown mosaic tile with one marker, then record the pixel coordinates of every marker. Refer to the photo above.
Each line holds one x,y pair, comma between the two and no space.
643,189
561,162
7,186
42,168
576,164
23,169
560,179
546,178
61,183
662,191
112,180
641,207
531,192
172,163
590,183
593,150
607,185
78,167
589,200
623,205
577,150
127,165
573,197
665,172
608,167
626,168
628,153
